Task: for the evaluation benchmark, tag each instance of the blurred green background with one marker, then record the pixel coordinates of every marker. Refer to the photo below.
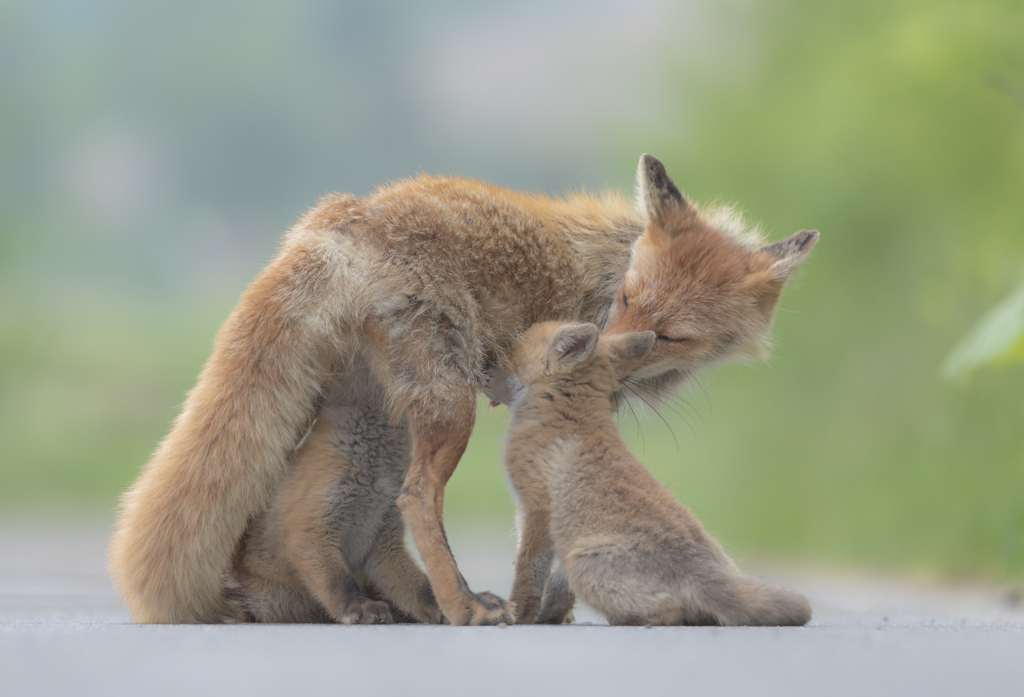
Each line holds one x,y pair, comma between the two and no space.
151,155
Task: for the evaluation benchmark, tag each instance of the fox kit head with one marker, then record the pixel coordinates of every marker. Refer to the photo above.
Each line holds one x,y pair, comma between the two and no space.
556,355
708,293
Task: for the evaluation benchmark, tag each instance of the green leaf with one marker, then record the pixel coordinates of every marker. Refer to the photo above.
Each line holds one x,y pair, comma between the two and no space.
998,339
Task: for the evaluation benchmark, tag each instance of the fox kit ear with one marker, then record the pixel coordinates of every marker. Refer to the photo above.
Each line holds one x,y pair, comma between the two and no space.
627,352
658,195
788,253
571,345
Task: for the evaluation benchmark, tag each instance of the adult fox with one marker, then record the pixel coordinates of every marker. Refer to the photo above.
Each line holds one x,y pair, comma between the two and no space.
417,293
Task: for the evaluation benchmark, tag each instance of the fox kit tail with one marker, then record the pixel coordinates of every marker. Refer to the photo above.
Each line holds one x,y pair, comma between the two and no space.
741,600
255,397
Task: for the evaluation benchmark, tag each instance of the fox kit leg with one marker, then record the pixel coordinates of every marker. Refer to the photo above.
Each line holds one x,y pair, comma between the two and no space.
315,554
533,563
535,551
556,608
257,599
325,514
395,574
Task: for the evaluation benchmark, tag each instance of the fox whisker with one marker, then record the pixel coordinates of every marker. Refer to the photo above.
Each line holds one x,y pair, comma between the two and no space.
651,407
639,426
662,400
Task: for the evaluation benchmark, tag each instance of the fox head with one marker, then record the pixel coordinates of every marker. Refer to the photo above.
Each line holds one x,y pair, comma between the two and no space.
708,292
553,354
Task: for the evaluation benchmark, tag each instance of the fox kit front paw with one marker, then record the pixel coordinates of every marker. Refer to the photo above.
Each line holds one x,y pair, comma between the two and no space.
365,612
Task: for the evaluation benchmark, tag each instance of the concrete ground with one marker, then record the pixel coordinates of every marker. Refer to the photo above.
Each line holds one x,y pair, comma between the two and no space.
63,632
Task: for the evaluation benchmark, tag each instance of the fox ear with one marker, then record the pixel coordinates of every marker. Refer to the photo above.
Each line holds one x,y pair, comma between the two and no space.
658,195
571,345
787,254
784,257
627,352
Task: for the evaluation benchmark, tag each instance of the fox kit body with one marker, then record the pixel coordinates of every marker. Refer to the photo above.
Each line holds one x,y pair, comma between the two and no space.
331,545
397,308
626,546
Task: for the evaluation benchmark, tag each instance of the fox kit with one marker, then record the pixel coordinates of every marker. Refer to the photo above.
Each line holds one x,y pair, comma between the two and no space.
401,305
626,546
331,545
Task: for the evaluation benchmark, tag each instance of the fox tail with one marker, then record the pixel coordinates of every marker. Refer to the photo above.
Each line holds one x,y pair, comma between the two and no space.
255,398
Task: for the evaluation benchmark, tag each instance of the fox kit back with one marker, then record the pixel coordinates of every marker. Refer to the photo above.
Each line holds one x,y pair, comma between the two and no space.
626,546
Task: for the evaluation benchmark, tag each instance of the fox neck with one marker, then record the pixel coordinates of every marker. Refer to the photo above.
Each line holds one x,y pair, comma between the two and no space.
561,406
602,232
561,423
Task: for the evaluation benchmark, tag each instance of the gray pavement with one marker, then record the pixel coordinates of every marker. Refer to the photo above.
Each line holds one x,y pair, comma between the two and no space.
63,632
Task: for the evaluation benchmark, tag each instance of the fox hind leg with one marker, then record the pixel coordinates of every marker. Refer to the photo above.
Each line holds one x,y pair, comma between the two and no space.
254,599
393,571
559,600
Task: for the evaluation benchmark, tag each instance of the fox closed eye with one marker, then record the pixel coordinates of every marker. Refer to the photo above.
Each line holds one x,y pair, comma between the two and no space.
670,339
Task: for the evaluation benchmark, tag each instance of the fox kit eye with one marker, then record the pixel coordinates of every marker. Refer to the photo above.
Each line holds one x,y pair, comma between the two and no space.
670,339
624,303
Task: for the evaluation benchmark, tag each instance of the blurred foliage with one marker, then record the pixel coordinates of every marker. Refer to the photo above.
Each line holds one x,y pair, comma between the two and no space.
895,128
998,339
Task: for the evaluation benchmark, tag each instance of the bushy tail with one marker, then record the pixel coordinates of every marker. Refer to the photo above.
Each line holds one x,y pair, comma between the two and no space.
741,600
256,395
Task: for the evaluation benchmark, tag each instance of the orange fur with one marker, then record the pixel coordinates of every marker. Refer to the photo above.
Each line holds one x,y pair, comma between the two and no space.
424,285
405,302
704,285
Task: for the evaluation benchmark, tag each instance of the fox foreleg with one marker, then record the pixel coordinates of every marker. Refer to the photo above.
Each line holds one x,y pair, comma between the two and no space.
319,562
533,563
392,570
439,439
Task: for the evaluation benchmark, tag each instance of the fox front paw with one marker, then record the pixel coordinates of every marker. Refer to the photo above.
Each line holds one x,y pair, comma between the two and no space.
366,612
485,609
